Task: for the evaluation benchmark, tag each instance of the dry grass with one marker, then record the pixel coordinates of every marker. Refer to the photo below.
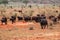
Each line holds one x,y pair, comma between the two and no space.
20,30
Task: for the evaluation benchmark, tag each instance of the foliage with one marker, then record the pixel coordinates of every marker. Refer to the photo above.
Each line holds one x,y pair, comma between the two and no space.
3,1
25,1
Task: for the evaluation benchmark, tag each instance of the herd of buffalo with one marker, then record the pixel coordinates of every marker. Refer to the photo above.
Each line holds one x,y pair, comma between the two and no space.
42,19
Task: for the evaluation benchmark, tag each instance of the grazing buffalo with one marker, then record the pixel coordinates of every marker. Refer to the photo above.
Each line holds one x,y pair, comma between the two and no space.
4,20
13,19
43,23
27,18
20,18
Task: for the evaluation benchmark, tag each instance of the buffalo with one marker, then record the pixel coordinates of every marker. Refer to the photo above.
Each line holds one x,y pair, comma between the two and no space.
20,18
38,18
43,16
34,18
27,18
13,19
4,20
43,23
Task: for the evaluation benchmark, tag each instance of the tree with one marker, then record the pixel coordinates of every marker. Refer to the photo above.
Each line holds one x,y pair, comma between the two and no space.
4,2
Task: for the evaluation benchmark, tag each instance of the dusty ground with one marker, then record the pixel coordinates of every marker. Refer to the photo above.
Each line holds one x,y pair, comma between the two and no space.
20,31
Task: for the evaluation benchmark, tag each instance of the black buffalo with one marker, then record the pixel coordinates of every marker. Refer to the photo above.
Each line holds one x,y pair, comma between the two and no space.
43,16
27,18
38,18
34,18
4,20
13,19
43,23
20,18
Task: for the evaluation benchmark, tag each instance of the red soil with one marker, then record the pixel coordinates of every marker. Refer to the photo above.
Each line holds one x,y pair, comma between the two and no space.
20,31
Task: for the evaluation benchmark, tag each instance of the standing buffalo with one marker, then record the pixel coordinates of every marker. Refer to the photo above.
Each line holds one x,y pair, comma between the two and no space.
27,18
38,18
43,16
20,18
43,23
34,18
13,19
4,20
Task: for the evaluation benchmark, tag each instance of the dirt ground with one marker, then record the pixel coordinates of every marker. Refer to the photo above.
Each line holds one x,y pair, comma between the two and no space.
20,31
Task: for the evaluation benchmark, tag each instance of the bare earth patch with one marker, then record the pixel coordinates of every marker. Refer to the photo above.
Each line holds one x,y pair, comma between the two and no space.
20,31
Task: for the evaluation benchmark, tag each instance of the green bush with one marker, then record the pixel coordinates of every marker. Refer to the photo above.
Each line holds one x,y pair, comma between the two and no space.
25,1
3,1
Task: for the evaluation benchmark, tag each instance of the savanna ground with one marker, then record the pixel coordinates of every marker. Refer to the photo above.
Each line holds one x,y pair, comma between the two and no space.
20,30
